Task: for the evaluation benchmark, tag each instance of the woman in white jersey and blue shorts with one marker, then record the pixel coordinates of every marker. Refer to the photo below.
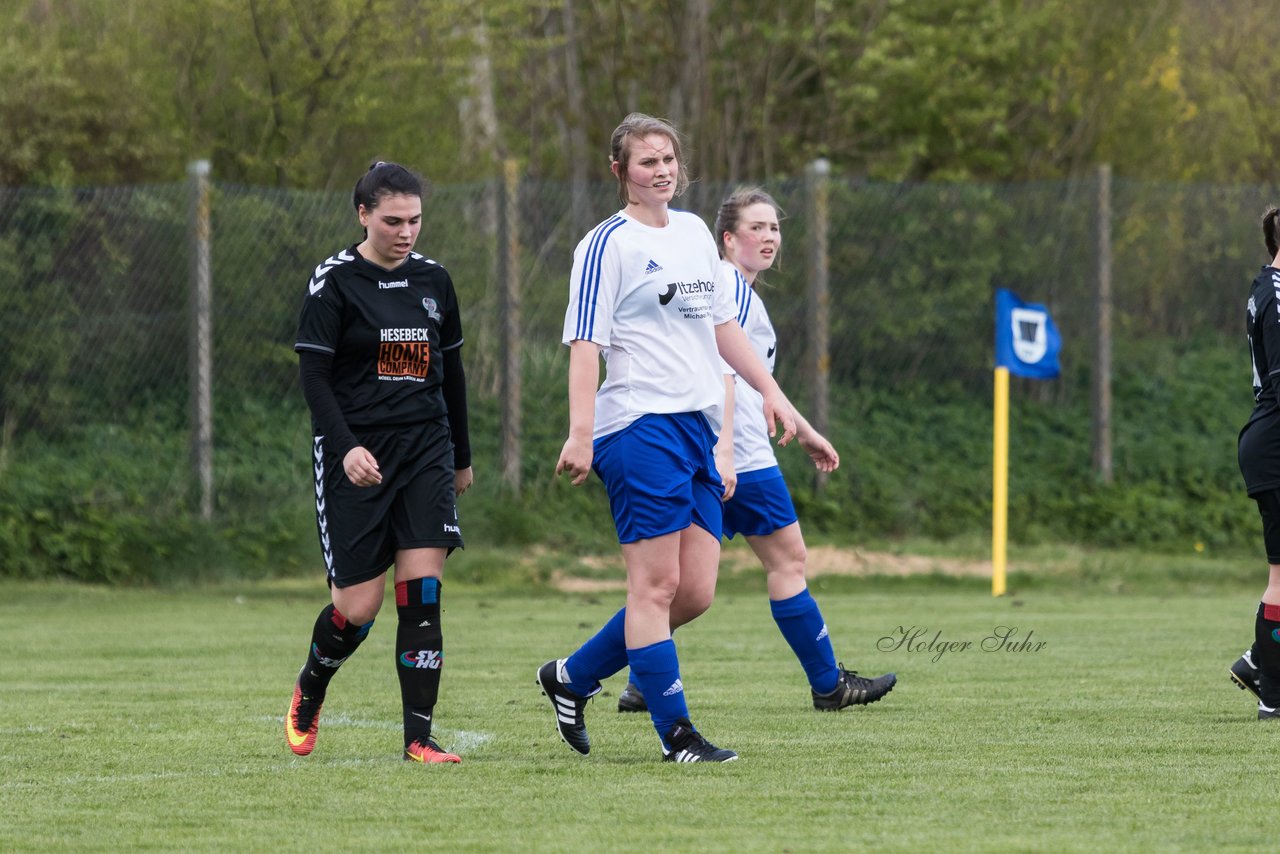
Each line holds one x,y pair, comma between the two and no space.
760,508
644,295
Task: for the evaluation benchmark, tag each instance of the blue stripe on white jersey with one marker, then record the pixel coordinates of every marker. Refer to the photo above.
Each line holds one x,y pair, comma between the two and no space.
742,296
589,286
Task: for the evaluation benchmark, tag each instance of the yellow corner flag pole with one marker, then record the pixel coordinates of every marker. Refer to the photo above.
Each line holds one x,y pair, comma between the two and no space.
1000,483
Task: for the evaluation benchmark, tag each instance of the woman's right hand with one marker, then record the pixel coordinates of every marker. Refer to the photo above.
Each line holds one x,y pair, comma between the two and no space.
575,459
361,467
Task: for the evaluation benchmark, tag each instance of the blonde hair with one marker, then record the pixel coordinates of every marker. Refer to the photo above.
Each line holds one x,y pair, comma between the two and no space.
637,126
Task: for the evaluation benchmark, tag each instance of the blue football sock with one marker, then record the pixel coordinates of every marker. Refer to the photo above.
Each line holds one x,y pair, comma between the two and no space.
631,677
656,672
801,623
599,658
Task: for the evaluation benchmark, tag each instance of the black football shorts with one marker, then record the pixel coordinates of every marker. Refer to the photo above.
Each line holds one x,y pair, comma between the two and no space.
362,527
1269,508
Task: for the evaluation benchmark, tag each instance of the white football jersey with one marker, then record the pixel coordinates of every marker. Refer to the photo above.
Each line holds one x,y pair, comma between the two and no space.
752,449
649,297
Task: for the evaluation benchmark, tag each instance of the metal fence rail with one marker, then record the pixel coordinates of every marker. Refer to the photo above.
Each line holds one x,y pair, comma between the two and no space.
96,306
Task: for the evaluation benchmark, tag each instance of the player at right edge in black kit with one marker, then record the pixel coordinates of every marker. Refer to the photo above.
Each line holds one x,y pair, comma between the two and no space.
1258,670
378,343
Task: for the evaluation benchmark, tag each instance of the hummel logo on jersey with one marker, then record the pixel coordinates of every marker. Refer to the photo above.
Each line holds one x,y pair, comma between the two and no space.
653,267
676,687
822,634
403,283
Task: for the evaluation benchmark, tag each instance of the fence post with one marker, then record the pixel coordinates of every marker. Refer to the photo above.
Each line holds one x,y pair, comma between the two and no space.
817,178
200,358
1102,334
509,388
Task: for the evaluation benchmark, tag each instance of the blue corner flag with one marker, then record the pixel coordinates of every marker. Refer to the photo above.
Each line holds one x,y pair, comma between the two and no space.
1027,342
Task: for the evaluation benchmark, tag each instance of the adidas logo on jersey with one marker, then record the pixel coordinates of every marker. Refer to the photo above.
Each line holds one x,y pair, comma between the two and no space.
676,687
653,267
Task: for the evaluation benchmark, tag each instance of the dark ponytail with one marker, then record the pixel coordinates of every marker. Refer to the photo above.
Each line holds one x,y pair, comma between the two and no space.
385,179
1269,231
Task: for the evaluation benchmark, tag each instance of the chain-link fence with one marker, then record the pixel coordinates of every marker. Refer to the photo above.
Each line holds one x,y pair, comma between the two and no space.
95,293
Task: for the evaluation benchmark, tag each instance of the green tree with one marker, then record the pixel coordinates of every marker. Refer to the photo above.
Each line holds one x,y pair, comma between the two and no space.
78,98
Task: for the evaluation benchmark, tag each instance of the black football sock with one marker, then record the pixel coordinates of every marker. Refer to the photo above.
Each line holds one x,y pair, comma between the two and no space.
419,653
1266,644
333,640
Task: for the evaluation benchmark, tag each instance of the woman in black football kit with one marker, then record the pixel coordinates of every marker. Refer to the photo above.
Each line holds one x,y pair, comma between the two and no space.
379,343
1258,670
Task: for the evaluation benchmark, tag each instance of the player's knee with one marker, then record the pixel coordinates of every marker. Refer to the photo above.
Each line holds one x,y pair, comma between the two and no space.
692,601
789,566
657,591
357,608
687,610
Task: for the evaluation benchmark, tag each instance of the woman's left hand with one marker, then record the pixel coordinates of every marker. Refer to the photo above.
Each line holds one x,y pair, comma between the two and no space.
822,452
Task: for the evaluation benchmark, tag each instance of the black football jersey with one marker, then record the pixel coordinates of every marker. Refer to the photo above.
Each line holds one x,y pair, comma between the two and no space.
1260,438
386,330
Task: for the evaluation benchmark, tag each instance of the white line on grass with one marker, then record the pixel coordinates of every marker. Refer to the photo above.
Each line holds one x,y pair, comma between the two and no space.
342,721
459,739
462,740
454,739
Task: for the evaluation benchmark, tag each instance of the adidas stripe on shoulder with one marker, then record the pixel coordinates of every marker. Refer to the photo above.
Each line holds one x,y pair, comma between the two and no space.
589,283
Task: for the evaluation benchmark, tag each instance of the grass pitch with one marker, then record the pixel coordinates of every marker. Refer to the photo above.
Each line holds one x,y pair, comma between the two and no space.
152,720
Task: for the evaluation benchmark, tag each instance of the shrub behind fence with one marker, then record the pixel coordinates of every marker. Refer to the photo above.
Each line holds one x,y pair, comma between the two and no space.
95,298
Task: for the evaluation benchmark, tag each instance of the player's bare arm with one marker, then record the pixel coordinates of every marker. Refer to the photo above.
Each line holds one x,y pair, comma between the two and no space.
724,444
584,376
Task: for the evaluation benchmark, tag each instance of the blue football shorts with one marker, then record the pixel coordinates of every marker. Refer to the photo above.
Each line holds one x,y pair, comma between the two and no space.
660,474
760,505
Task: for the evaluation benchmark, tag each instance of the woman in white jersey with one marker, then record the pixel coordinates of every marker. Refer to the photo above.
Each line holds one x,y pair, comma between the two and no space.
760,509
644,296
